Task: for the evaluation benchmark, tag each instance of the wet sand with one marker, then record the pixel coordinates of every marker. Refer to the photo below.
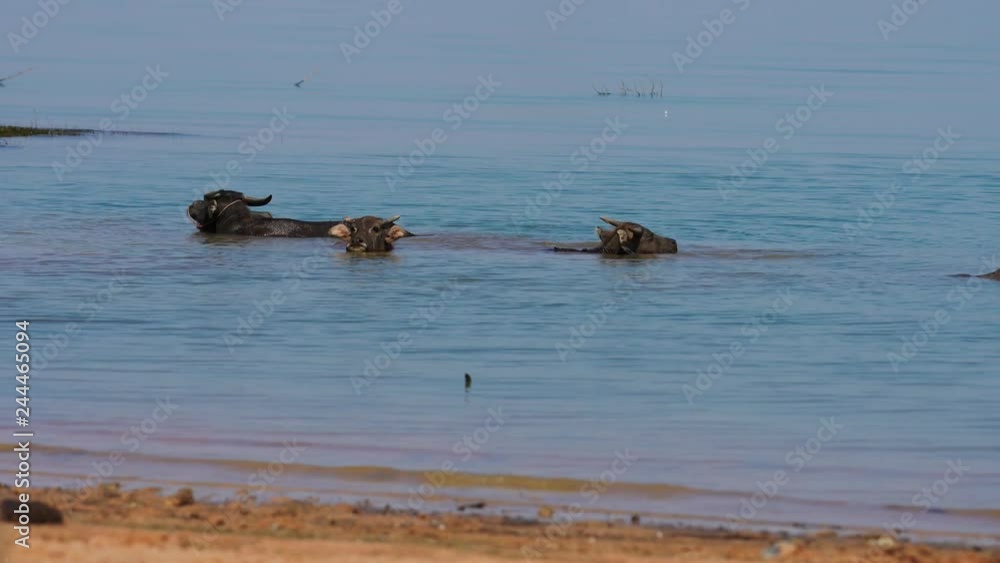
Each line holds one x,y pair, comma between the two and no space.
146,526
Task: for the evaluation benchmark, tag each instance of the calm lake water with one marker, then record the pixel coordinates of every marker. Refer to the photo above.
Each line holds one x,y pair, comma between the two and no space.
800,309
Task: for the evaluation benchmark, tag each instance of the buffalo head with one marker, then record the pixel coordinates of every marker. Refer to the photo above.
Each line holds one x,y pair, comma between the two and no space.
369,234
633,238
211,207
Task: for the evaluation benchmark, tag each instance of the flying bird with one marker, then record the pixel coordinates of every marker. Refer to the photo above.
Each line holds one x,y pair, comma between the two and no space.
13,76
304,79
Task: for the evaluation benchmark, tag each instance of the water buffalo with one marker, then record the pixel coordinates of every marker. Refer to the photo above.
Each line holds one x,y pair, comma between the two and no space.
991,276
370,234
228,212
628,239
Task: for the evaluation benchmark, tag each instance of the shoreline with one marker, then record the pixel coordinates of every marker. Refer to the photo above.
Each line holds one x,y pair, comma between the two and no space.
515,494
146,525
526,504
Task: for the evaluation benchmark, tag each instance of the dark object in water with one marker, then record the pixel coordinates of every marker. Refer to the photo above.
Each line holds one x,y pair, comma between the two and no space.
628,239
370,234
468,381
228,212
39,512
990,276
299,83
471,505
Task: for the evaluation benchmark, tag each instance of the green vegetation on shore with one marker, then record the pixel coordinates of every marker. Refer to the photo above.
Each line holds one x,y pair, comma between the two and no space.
15,131
22,131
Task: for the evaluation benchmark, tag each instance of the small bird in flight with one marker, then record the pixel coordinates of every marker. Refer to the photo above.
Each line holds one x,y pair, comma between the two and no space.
13,76
304,79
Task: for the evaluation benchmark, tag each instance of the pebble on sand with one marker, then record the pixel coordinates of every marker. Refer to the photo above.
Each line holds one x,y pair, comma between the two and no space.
883,542
780,550
183,497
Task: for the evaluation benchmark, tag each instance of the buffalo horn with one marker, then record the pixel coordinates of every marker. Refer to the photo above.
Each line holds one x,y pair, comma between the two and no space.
256,201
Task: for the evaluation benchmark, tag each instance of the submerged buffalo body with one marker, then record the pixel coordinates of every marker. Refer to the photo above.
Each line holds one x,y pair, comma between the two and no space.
991,276
228,212
628,239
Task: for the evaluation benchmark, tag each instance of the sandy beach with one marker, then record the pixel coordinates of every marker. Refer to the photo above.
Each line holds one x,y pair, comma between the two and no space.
145,525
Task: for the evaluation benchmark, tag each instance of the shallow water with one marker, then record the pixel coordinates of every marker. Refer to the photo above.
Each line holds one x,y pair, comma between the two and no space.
108,247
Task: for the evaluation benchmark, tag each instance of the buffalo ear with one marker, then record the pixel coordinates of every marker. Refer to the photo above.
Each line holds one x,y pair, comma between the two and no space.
397,232
213,206
603,234
625,235
341,231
